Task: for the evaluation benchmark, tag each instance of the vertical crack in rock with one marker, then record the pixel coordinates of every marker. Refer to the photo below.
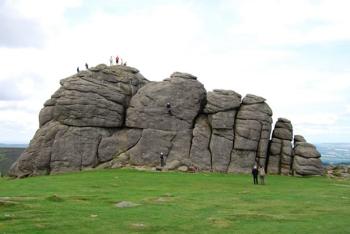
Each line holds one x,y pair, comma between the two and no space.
200,154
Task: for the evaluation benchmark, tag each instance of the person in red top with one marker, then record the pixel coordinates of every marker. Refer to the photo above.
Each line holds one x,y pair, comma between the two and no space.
117,59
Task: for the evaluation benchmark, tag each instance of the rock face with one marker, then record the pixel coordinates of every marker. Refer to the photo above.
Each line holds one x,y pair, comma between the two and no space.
79,116
252,134
111,117
280,158
306,158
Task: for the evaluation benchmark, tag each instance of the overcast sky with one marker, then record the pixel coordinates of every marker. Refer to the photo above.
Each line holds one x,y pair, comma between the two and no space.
295,53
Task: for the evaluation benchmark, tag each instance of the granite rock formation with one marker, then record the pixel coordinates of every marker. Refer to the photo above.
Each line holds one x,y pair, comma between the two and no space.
111,117
306,158
280,158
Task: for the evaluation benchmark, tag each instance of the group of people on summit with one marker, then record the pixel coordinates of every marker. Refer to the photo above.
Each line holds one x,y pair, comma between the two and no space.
118,61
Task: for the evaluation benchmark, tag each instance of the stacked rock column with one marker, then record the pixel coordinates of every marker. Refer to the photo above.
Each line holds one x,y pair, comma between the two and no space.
252,132
280,153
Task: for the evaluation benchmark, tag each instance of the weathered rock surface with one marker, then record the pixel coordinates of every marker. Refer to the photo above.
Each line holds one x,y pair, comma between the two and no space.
306,158
200,154
222,107
251,135
121,141
94,98
280,157
77,117
148,108
112,117
222,100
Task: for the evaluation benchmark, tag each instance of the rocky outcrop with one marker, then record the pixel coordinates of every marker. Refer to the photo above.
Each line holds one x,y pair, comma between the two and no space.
252,134
77,118
306,158
111,117
280,157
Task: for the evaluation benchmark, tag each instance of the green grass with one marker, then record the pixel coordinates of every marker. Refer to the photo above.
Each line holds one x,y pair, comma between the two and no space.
173,203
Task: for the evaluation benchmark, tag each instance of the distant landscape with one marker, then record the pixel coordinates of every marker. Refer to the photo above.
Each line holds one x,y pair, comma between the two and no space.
8,155
332,153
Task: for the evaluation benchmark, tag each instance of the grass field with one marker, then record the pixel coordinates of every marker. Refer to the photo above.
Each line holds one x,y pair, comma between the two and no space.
173,203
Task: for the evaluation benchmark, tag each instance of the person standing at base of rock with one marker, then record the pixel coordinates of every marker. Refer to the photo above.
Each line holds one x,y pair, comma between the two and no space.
255,174
262,174
162,159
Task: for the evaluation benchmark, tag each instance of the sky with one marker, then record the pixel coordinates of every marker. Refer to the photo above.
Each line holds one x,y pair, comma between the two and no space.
294,53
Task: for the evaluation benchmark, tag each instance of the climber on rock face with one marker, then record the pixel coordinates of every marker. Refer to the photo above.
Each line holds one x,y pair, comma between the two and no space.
168,106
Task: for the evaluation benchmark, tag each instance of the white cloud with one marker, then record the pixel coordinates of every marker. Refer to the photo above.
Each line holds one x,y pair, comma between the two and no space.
274,22
247,55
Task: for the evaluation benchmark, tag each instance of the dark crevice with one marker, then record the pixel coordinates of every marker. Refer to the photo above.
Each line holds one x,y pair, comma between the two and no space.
209,149
96,153
258,147
233,141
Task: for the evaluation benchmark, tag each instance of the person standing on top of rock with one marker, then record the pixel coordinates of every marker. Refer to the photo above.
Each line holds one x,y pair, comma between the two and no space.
255,174
262,174
168,106
111,61
78,70
162,159
117,59
86,66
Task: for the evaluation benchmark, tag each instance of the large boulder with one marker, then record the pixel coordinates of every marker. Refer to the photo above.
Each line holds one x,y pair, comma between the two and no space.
307,166
148,108
222,100
306,158
93,98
